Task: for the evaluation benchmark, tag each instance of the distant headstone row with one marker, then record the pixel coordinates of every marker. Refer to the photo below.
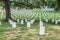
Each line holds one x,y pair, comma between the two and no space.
42,28
31,15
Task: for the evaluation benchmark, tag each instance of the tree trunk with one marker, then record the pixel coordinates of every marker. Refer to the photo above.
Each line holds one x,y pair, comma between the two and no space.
7,8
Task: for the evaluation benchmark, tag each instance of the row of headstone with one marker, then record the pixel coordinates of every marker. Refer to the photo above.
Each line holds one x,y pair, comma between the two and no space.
45,15
48,9
28,12
23,13
57,21
28,22
22,22
42,28
50,15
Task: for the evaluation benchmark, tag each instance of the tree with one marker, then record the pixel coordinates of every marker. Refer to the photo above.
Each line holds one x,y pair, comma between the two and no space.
7,8
57,5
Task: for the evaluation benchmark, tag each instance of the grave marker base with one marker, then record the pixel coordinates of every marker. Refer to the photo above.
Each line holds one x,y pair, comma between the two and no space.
42,30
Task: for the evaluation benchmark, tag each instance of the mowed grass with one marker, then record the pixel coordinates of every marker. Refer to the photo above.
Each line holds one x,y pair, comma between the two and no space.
21,32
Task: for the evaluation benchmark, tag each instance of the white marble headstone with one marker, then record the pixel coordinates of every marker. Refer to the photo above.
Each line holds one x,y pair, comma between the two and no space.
41,23
52,20
42,28
46,20
14,24
10,21
28,24
32,21
42,31
22,21
18,20
56,22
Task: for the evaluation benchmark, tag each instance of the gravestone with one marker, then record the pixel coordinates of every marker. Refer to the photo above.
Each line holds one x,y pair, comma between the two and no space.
41,23
14,24
46,20
52,20
56,21
32,21
10,21
22,21
18,20
42,28
28,24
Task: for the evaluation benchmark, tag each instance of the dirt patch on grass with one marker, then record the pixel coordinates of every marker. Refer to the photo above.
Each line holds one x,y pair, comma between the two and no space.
58,37
33,31
50,33
56,27
12,34
30,34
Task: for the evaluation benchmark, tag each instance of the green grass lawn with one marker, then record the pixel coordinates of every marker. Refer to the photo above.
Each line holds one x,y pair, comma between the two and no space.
32,33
